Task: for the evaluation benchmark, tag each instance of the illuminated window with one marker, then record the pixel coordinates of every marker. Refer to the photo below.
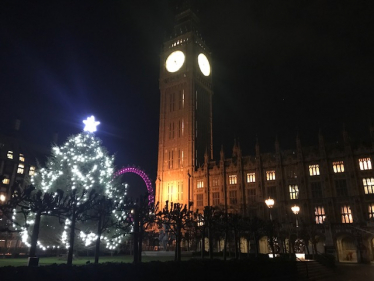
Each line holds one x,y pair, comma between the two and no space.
32,171
270,175
200,184
316,189
341,188
180,128
233,197
294,191
170,192
215,198
199,200
314,170
368,185
347,214
171,159
10,154
6,181
320,215
21,168
371,210
251,177
338,166
365,163
21,158
181,99
251,195
180,191
215,182
233,179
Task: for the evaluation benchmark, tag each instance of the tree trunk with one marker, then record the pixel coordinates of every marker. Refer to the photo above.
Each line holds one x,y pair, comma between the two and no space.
202,243
225,246
140,248
210,237
136,236
35,235
97,248
71,238
236,244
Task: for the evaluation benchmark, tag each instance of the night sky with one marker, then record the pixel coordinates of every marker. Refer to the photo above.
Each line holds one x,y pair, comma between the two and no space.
279,68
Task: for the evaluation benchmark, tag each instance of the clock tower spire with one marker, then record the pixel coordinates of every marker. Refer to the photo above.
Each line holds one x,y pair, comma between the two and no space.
185,129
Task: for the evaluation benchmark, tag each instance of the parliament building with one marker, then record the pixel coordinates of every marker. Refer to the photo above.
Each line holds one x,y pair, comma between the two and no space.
331,184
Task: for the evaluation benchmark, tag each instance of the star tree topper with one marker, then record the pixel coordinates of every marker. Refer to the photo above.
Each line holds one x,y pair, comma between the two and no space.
90,124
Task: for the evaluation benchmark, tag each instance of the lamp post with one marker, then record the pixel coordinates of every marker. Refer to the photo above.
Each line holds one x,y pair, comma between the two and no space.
296,209
270,203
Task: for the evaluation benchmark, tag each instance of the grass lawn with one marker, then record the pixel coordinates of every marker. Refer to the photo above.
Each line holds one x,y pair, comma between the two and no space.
79,260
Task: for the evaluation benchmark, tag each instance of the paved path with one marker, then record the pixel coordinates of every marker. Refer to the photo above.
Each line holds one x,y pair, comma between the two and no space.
354,272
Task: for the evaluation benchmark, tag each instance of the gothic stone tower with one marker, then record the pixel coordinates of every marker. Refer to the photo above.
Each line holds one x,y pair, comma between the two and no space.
185,132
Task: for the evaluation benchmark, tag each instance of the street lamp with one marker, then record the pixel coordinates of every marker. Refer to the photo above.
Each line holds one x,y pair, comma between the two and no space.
2,197
296,209
270,203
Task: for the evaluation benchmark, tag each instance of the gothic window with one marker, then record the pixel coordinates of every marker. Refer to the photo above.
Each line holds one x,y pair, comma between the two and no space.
320,215
182,129
181,99
368,185
215,182
21,168
10,154
200,184
32,170
251,177
291,172
179,128
251,195
371,210
314,170
365,163
347,214
215,198
294,191
199,200
270,175
341,188
171,160
233,197
233,179
172,102
171,130
180,191
6,180
170,192
316,189
21,158
338,167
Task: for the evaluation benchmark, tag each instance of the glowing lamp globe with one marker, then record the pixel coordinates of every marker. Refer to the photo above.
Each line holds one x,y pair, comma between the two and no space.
269,202
295,209
90,124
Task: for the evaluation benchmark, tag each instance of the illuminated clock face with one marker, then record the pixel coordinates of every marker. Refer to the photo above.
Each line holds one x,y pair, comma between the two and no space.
175,61
204,64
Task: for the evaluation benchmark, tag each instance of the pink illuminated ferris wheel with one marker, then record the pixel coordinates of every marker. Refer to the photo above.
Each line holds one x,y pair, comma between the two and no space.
144,176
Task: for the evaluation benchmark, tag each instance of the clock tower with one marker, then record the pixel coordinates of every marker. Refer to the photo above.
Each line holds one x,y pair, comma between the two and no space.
185,132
